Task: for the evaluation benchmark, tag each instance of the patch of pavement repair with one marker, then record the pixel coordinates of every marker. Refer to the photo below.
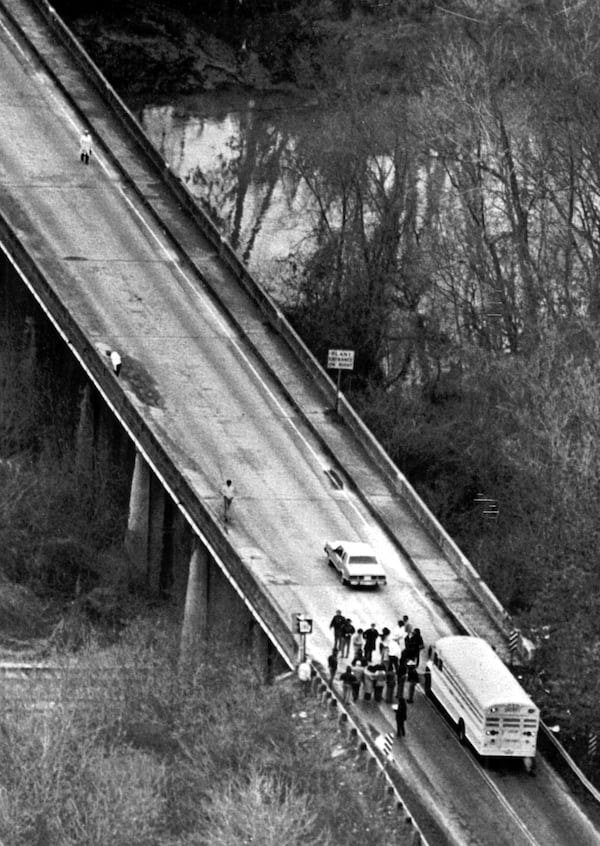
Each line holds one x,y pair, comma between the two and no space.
140,382
136,376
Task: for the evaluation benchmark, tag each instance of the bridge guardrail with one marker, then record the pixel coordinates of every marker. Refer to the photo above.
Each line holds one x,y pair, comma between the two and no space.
354,725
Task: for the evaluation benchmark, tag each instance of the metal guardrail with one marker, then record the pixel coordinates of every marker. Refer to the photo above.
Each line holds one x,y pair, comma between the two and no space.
556,754
365,438
361,737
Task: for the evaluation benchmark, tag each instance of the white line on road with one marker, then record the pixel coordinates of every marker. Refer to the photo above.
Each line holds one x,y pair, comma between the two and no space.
490,783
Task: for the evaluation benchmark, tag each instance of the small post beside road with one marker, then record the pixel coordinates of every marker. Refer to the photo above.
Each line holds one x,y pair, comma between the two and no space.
592,746
302,626
339,360
514,639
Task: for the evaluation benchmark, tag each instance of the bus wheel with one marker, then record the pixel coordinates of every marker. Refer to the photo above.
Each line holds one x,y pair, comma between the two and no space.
460,730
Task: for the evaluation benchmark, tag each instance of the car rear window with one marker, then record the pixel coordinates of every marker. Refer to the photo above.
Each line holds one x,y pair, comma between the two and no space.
363,559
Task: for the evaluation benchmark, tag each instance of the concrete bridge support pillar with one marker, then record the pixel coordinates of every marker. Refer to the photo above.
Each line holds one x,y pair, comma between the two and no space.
260,650
30,345
195,615
136,537
84,438
155,535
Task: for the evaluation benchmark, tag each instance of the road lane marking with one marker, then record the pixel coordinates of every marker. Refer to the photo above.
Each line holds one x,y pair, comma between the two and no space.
512,813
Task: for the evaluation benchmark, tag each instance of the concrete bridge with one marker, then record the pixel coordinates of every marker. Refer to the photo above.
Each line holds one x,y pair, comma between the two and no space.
215,384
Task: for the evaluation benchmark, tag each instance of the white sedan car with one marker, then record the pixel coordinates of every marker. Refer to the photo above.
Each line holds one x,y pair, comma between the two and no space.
356,563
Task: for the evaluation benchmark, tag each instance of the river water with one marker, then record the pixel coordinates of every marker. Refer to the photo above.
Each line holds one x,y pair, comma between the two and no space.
231,153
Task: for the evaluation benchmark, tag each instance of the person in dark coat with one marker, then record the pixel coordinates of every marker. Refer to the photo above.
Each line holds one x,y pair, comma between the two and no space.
337,624
347,632
413,644
348,680
400,718
332,663
378,682
401,678
390,683
412,679
358,668
371,636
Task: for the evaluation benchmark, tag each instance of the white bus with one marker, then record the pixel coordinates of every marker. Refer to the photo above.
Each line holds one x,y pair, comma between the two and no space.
483,698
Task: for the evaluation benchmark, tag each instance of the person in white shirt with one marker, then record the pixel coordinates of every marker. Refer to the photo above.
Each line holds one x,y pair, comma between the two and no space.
305,675
85,147
228,492
115,360
397,641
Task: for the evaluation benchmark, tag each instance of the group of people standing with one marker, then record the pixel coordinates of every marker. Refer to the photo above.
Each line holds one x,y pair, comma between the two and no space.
382,664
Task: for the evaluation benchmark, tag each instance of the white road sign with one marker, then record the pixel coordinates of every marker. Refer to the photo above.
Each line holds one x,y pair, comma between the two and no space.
340,360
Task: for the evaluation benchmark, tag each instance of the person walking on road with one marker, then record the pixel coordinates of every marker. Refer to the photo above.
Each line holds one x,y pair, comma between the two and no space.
85,147
400,718
338,621
228,492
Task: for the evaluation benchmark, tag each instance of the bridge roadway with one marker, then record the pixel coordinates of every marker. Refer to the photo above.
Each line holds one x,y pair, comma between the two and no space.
190,368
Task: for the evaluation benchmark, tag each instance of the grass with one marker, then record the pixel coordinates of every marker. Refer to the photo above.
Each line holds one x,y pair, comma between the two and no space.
133,752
